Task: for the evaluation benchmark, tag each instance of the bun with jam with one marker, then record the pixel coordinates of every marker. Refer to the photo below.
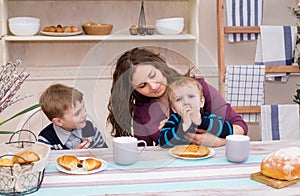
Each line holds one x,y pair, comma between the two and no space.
191,151
70,163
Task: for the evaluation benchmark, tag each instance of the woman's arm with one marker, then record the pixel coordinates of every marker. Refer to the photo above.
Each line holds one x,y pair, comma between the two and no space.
215,103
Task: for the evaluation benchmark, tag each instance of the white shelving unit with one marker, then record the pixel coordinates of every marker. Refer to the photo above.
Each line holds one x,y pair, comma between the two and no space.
122,14
86,61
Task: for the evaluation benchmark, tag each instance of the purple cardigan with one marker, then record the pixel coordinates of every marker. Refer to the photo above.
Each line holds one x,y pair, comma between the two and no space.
147,117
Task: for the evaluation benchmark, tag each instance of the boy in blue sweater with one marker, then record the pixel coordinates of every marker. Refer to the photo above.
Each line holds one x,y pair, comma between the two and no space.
64,107
186,100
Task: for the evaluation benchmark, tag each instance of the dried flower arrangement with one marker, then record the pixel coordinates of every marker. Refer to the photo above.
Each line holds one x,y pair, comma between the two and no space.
10,82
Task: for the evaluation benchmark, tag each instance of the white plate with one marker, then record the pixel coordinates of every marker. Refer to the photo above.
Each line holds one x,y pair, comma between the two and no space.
60,34
212,153
81,170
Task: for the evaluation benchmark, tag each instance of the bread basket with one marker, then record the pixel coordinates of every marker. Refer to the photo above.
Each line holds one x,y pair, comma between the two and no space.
97,29
22,179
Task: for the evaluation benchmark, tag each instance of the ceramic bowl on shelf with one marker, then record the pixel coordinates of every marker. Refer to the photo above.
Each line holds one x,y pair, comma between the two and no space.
23,20
169,26
24,26
26,29
178,20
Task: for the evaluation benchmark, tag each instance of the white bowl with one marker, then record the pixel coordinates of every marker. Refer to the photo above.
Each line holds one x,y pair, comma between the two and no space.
177,20
169,29
24,29
23,20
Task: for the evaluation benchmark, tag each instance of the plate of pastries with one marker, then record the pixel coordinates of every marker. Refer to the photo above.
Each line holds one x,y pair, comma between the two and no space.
191,151
22,158
60,30
80,165
280,168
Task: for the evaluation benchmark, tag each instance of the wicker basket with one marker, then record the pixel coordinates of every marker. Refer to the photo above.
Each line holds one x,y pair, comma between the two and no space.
97,29
25,179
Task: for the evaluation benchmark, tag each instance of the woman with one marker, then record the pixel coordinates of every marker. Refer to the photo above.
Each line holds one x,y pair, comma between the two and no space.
138,93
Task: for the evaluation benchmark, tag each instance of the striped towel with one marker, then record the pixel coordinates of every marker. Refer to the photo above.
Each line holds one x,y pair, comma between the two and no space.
280,122
243,13
275,46
244,86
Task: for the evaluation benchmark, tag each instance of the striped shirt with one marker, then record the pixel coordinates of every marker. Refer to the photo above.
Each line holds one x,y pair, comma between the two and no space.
59,139
173,134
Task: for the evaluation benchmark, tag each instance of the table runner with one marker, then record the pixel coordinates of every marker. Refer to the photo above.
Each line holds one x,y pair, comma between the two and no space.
157,172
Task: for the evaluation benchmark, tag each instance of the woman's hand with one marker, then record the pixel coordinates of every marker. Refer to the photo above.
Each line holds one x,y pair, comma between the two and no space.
204,138
162,124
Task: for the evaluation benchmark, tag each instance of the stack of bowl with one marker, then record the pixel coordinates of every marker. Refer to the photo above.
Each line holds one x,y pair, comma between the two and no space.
24,26
170,26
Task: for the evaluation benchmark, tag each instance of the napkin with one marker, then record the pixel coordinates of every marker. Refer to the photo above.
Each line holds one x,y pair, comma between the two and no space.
243,13
244,86
275,46
280,122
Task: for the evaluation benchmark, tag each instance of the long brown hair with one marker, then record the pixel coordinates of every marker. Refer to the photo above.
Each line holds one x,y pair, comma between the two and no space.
123,97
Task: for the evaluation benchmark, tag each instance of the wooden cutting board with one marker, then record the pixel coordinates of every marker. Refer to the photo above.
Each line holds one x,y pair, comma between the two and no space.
259,177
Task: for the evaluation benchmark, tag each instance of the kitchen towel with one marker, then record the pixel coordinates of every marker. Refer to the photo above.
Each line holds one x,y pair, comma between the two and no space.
275,46
280,122
244,86
243,13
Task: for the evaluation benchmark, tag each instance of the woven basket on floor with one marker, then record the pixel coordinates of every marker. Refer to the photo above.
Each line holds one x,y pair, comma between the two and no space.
97,29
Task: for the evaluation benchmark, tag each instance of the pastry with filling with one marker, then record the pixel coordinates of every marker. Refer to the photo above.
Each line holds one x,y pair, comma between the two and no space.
283,164
90,164
191,151
69,162
26,157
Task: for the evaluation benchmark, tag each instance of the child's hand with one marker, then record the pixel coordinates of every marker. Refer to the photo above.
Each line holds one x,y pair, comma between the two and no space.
186,118
84,145
196,118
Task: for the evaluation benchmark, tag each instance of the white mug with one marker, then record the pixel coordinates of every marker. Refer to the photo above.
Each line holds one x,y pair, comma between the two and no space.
237,148
125,150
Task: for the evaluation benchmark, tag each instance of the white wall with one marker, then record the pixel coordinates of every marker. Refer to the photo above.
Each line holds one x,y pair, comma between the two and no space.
275,13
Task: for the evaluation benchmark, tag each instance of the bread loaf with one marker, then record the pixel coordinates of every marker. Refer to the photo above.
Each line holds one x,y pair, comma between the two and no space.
68,162
90,164
26,157
191,151
283,164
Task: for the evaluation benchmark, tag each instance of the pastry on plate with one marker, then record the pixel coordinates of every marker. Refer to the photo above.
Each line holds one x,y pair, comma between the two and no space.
191,151
69,162
90,164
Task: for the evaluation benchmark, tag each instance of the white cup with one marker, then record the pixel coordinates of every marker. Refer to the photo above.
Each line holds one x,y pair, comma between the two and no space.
125,150
237,148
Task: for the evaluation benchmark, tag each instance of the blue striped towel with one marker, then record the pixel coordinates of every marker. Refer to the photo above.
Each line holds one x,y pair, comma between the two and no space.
244,86
243,13
280,122
275,46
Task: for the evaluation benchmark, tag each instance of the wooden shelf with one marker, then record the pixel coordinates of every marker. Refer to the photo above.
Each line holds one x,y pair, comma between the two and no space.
241,29
100,37
248,109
